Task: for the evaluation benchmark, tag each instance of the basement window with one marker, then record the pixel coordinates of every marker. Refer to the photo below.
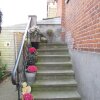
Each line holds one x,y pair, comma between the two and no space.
67,1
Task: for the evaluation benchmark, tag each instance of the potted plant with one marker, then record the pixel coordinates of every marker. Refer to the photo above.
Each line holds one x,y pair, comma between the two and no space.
50,32
31,74
26,92
35,36
32,56
50,35
32,50
27,96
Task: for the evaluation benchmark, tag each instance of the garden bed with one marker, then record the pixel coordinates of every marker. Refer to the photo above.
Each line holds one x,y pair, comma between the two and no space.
4,76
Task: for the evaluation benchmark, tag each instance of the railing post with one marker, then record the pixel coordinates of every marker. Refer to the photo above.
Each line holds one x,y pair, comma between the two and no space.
33,20
17,73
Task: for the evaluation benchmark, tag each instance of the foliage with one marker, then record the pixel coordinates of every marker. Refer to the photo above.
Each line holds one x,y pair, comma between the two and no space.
3,70
0,16
32,69
0,62
0,20
50,32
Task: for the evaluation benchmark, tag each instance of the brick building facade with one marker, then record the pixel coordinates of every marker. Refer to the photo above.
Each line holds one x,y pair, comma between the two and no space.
81,30
82,19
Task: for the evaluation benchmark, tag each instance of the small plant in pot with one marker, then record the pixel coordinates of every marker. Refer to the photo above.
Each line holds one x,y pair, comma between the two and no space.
35,36
32,50
26,92
31,74
50,32
32,55
50,35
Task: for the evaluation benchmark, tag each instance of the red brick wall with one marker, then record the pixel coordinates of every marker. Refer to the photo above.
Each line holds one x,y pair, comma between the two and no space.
83,22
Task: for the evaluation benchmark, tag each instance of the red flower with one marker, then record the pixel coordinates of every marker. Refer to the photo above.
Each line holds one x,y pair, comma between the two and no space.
28,96
32,50
32,68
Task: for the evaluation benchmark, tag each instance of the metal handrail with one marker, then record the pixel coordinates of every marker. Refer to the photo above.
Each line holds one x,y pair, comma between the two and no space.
15,69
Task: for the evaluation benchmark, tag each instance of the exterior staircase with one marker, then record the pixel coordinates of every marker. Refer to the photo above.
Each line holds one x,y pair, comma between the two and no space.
55,77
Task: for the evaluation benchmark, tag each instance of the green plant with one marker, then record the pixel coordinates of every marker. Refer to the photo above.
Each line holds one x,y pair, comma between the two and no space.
3,71
0,62
50,32
0,20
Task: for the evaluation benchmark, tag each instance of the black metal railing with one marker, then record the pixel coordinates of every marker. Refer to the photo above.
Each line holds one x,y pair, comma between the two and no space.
18,72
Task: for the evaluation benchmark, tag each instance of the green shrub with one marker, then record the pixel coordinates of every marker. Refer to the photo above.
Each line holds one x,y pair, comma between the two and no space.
3,69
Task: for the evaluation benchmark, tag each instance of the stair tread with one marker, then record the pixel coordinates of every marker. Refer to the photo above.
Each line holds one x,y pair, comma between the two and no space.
55,94
57,71
56,82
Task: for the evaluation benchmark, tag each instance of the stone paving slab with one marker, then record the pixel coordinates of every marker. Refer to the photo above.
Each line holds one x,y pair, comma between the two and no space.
7,90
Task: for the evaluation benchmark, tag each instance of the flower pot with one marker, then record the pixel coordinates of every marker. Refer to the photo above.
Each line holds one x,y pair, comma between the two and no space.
30,77
35,44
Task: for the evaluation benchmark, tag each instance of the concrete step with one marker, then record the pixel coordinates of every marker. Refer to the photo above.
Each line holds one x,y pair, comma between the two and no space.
52,45
54,65
56,95
55,79
54,75
53,51
53,58
54,85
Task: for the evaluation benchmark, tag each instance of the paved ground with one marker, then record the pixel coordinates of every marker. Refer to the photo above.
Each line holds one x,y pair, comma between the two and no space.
7,90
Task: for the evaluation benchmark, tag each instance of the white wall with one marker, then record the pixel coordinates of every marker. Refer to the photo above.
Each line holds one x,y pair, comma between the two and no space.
55,28
7,52
87,72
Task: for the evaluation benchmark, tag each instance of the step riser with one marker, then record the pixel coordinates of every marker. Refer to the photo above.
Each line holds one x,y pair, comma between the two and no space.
53,53
58,99
53,88
53,59
53,77
50,47
54,67
45,46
